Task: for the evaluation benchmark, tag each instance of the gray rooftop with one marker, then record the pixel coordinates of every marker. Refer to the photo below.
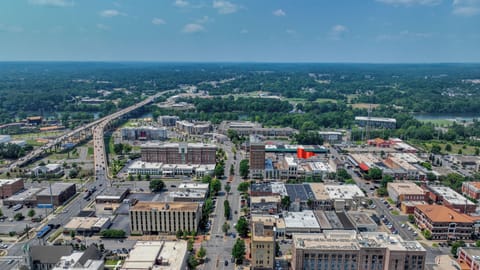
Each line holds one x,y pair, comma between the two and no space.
57,188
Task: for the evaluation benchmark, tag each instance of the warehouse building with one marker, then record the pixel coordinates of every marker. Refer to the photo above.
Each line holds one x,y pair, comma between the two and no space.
8,187
57,194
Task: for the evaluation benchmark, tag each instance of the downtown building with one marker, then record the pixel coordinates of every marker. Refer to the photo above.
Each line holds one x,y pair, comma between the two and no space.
263,245
257,159
445,223
357,251
169,218
179,153
471,189
144,133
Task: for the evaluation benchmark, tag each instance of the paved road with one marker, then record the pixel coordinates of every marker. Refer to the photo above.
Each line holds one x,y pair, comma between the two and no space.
219,247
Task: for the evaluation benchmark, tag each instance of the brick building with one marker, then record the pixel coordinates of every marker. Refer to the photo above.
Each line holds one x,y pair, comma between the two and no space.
179,153
444,223
8,187
471,189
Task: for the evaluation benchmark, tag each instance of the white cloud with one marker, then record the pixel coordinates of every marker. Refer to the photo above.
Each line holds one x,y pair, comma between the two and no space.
405,34
193,28
290,31
204,19
279,13
411,2
466,7
181,3
103,27
109,13
52,3
10,28
225,7
244,31
337,32
158,21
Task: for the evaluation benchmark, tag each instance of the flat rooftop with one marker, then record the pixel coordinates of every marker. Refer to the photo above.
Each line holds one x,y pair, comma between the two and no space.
8,181
193,186
319,191
24,195
57,189
360,218
265,199
145,254
85,223
303,220
278,188
302,192
450,195
344,191
408,188
177,145
171,206
350,240
114,192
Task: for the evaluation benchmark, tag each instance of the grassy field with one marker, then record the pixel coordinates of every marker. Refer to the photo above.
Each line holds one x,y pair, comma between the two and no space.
438,122
90,151
34,143
36,135
468,150
324,100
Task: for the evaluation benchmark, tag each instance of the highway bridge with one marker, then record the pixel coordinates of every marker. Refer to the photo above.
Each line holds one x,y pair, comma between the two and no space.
85,131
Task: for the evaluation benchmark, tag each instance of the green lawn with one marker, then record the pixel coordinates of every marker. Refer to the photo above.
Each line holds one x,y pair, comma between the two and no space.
35,135
469,150
324,100
90,151
438,122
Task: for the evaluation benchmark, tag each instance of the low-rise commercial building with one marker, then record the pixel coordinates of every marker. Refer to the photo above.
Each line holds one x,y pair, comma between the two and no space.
188,196
158,217
8,187
265,204
471,189
57,193
245,128
54,170
86,225
157,255
263,245
26,197
376,122
169,170
332,137
444,223
405,191
362,221
301,222
144,133
345,197
451,199
333,250
113,195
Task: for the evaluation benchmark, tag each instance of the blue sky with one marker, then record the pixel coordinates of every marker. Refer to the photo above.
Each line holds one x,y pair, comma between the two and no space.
241,30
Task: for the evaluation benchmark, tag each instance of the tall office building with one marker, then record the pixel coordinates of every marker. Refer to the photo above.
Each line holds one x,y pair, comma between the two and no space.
356,251
158,217
263,245
257,158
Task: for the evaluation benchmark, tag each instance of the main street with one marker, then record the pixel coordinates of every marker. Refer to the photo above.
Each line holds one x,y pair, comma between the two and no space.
219,246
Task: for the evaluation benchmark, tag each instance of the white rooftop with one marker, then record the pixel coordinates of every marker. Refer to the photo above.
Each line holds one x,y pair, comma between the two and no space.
145,253
450,195
304,220
344,191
